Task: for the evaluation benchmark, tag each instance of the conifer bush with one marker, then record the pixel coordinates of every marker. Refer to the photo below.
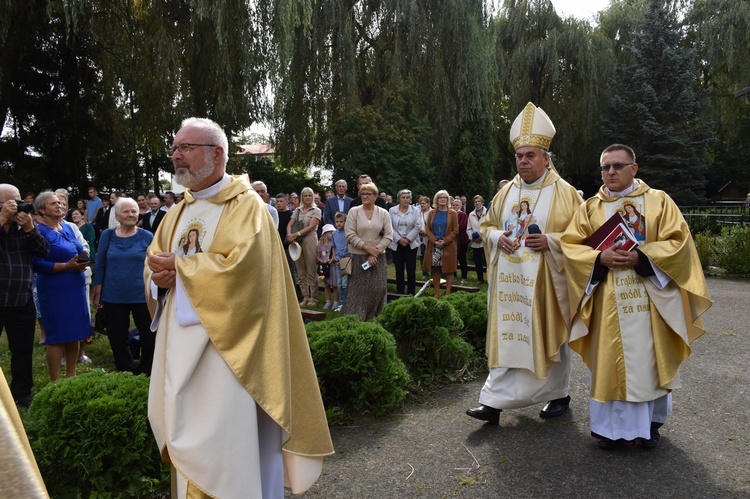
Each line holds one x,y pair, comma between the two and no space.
472,308
704,242
91,437
357,367
731,250
428,336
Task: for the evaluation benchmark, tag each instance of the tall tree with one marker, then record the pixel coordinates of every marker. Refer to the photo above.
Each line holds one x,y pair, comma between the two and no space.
560,65
125,72
720,31
656,109
388,145
336,56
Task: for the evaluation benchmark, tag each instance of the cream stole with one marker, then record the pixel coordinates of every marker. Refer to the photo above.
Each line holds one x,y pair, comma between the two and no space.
512,284
634,315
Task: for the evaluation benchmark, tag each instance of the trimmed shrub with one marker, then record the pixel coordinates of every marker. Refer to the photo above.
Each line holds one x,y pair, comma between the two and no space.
472,308
91,436
427,333
357,366
704,244
731,250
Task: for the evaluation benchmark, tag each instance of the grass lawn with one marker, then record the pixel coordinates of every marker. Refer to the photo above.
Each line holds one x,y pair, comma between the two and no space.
98,350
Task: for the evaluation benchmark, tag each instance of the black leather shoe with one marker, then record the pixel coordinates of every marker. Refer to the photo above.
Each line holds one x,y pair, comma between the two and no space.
653,441
607,444
485,413
555,408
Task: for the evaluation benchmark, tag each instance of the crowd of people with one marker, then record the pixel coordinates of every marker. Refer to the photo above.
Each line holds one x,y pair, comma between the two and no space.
89,258
556,284
98,246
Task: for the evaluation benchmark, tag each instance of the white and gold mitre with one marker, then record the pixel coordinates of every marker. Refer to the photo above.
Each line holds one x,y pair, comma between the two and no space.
532,128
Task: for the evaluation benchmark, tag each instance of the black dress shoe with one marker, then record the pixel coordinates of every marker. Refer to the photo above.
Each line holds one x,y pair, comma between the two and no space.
485,413
555,408
653,441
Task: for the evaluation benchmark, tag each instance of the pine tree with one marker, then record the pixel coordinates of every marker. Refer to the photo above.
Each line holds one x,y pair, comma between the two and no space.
656,109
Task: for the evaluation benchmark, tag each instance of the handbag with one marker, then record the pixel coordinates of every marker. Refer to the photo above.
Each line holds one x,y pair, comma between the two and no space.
437,257
100,323
298,224
324,269
345,264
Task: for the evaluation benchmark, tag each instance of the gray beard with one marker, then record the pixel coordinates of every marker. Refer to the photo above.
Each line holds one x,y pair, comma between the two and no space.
190,179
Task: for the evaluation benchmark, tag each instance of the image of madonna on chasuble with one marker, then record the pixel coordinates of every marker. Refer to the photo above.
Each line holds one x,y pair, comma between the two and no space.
234,401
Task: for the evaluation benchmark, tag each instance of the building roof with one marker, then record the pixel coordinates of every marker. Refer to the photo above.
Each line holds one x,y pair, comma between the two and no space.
256,149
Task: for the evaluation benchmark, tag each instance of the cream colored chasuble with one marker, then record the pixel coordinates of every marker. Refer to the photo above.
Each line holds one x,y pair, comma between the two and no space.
511,288
197,408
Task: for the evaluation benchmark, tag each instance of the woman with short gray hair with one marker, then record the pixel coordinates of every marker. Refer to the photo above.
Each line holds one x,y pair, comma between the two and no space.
406,222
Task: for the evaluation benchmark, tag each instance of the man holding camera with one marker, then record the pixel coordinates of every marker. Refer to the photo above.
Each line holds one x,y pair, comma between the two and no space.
528,314
20,240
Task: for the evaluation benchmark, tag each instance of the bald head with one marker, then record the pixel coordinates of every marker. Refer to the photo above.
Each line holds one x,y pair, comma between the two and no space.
8,191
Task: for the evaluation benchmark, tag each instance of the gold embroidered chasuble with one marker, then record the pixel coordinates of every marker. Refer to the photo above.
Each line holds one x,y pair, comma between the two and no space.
548,305
241,289
18,469
602,320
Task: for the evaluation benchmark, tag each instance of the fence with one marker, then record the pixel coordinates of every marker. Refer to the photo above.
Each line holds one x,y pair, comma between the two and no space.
716,216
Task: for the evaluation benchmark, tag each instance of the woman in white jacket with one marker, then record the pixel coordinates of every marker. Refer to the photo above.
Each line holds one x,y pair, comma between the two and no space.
476,216
406,221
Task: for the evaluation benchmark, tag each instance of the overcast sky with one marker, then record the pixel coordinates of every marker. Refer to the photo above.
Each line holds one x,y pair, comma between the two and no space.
584,9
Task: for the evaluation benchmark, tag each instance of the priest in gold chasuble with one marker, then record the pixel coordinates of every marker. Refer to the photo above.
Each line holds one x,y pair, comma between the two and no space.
634,312
234,402
528,310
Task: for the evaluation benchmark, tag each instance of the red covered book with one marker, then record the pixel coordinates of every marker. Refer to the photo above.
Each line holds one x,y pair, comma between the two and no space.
613,231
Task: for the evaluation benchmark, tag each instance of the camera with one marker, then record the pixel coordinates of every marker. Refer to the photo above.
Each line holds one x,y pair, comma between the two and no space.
25,207
365,265
83,256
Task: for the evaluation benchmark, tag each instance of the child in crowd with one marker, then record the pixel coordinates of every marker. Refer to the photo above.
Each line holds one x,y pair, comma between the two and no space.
340,250
323,254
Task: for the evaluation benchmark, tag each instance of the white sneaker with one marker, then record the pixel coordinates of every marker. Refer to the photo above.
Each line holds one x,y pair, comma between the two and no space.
338,309
84,359
327,305
335,305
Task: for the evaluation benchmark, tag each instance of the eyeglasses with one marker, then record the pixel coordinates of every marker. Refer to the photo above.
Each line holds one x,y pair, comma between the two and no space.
617,166
367,194
186,148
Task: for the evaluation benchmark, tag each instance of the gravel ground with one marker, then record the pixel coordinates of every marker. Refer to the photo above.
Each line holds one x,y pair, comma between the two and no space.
434,450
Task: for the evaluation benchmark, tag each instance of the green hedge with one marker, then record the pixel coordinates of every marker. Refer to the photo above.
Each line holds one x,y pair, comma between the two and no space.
357,367
728,250
472,308
91,437
428,336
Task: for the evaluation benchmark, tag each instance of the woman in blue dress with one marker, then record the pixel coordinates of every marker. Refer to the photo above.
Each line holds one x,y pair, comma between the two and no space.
61,287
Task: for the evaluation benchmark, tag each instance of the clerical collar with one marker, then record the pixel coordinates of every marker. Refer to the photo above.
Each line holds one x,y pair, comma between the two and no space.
536,183
623,193
211,190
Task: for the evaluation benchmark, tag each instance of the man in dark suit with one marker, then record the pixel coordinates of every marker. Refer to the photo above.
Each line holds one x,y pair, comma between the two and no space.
152,219
339,202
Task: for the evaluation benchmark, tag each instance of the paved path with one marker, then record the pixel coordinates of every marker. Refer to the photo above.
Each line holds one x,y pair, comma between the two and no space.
435,450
